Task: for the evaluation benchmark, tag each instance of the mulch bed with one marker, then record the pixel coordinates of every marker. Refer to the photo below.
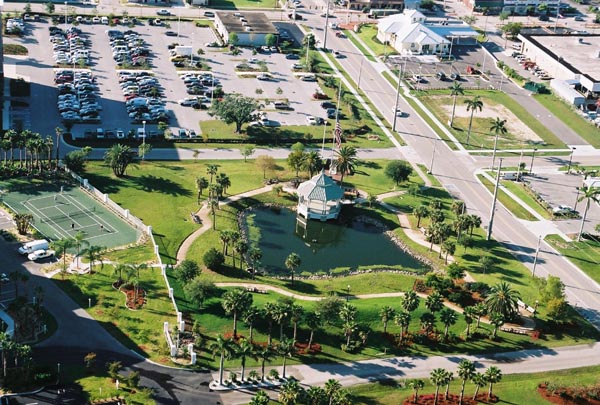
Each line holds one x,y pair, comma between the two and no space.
134,302
564,396
428,399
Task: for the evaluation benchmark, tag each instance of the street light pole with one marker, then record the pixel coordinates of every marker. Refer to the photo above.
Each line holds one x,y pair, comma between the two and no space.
519,167
535,259
491,224
576,198
326,27
432,156
397,94
348,295
570,160
66,8
532,157
144,132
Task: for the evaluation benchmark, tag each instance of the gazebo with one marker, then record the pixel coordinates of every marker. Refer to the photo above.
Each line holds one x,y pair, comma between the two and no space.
319,198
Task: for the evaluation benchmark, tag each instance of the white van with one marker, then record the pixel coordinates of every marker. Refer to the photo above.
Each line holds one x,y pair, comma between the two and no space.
30,247
104,20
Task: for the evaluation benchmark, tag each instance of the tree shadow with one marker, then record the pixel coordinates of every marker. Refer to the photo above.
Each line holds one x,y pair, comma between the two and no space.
150,183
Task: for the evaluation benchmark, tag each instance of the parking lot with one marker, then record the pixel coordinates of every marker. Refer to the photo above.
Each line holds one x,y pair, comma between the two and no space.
561,189
284,85
439,74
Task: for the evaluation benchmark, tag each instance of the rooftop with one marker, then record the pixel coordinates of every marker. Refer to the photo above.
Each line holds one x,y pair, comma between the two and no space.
259,22
321,188
581,52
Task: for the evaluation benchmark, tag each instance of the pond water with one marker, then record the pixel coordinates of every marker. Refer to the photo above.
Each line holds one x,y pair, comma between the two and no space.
321,246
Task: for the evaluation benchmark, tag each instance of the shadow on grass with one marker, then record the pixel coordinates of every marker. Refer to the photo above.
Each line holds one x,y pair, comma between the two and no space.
150,183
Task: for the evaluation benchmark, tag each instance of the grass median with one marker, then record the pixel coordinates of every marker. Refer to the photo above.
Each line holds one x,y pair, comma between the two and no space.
515,208
584,254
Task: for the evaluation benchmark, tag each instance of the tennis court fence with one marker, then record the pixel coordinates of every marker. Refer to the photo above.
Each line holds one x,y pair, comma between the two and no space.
138,224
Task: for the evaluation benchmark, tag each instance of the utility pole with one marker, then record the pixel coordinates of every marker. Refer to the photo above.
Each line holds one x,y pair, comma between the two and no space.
491,224
535,258
432,156
397,95
532,157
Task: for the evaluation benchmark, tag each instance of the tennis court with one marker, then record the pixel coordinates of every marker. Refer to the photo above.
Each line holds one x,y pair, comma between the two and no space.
60,211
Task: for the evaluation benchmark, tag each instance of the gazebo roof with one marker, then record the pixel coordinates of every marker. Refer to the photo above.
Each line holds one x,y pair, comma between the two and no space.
320,188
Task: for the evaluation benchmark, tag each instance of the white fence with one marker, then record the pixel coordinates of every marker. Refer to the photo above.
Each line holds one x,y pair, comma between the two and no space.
138,224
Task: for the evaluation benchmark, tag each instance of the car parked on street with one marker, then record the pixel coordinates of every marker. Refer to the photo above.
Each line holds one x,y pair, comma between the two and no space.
40,254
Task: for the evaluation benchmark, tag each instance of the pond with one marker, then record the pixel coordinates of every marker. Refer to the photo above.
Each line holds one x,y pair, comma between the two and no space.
321,246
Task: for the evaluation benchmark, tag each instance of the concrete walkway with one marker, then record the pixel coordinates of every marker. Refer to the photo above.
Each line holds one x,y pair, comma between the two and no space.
204,214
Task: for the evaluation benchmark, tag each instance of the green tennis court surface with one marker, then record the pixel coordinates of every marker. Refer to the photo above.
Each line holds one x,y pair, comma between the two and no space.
60,211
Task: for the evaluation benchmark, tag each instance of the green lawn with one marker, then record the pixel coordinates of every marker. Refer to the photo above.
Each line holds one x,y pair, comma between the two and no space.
585,254
510,204
481,137
368,33
526,195
513,389
135,329
434,181
573,120
242,4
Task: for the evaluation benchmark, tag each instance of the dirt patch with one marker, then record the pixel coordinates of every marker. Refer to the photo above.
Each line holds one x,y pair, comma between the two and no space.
513,124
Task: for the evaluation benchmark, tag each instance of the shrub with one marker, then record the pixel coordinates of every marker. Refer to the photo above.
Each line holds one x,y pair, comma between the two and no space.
187,270
213,259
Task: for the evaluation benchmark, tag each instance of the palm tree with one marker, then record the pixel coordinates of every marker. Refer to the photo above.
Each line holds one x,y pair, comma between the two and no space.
255,256
448,317
119,269
332,386
225,237
296,312
479,381
458,207
480,310
265,354
313,322
224,181
290,392
23,221
260,398
455,90
387,313
496,320
213,205
279,313
201,185
312,162
427,320
420,212
285,349
448,247
212,171
61,246
486,263
119,157
225,349
241,248
469,314
438,378
94,254
502,300
292,262
473,104
493,375
416,385
79,242
466,370
315,395
234,302
449,379
410,301
249,316
346,160
402,319
269,313
245,349
461,224
588,194
434,302
498,128
58,131
474,222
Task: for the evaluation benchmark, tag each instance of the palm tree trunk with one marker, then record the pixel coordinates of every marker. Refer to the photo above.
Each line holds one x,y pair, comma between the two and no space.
447,391
587,206
489,395
250,332
280,330
295,331
462,392
470,124
453,110
262,369
269,337
435,399
284,364
243,368
310,339
476,392
221,365
234,324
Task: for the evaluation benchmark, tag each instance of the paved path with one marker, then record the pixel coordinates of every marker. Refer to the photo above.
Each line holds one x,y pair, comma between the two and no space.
204,215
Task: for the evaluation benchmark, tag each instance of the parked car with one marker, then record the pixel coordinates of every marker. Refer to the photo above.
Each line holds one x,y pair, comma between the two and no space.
40,254
327,104
163,11
292,56
264,77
